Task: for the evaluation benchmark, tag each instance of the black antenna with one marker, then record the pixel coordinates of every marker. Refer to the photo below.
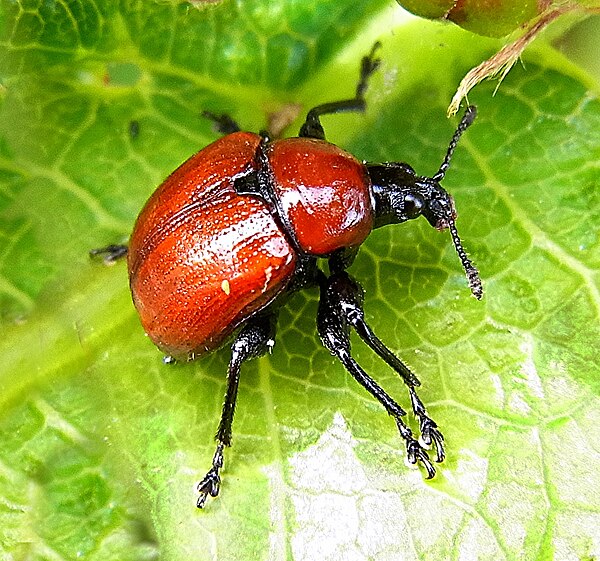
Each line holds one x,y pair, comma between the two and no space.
470,269
465,122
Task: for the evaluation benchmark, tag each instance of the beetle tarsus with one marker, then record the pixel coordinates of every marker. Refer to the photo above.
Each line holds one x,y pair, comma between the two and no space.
417,454
430,434
111,253
211,483
368,65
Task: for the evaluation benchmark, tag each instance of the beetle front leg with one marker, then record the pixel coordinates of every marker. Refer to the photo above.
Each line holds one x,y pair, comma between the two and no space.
350,295
256,338
334,320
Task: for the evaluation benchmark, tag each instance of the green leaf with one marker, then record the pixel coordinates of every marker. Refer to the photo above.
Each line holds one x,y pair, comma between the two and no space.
101,443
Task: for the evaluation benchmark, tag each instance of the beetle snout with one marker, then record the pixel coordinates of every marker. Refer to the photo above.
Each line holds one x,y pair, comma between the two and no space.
441,213
444,222
439,207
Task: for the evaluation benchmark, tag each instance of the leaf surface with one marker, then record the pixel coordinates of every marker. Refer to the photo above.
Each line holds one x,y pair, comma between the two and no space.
101,443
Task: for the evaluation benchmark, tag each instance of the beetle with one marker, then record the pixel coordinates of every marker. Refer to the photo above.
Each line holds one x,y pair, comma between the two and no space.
242,224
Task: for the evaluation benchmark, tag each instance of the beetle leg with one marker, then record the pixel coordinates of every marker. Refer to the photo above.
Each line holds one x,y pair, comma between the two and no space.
255,339
338,306
312,126
342,259
111,253
350,295
223,122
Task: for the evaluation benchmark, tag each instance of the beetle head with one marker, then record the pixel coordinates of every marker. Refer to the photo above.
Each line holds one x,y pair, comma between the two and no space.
400,195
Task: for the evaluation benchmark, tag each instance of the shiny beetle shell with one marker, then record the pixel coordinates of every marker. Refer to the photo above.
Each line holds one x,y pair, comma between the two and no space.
203,258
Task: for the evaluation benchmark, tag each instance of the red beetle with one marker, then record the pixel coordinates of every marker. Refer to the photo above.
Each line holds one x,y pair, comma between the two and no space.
241,225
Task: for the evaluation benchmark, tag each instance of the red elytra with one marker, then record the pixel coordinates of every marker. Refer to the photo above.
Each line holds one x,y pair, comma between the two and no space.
203,258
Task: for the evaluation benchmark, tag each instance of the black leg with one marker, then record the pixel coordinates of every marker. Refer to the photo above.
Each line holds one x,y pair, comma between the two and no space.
340,308
350,295
342,259
255,339
313,128
223,122
111,253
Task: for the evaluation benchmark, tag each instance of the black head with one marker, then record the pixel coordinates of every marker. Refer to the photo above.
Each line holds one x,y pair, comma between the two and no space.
400,195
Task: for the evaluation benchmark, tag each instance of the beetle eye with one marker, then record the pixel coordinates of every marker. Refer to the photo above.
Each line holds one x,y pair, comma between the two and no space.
413,205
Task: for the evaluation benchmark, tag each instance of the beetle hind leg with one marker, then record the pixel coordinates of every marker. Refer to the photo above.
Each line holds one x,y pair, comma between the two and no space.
111,253
340,309
312,127
255,339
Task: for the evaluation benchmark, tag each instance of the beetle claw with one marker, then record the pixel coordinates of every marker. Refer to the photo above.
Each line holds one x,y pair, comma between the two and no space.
431,435
416,453
211,484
